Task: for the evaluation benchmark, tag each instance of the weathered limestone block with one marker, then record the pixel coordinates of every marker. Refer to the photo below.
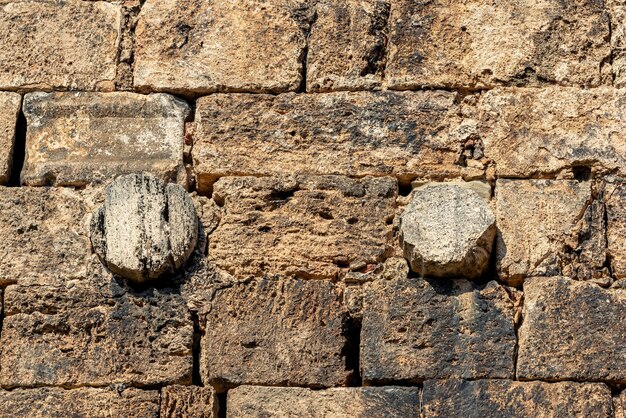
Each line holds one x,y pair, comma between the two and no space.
286,332
447,231
44,234
479,43
346,49
58,44
542,131
188,402
82,402
548,228
506,398
310,227
416,329
362,402
145,229
93,332
198,46
9,108
406,134
572,330
80,138
616,226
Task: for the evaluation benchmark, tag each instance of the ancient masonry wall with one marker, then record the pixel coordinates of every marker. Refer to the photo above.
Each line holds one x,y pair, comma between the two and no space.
312,136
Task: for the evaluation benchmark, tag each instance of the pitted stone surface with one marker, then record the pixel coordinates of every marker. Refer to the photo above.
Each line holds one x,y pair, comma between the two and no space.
447,231
178,401
145,229
9,108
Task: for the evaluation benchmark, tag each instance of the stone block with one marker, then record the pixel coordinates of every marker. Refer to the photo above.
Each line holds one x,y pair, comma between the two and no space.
572,330
286,332
481,44
196,46
75,139
309,227
404,134
10,104
47,45
416,329
188,402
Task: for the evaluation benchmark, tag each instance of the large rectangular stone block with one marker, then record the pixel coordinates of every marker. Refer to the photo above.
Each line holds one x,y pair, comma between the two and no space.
616,226
479,43
9,108
43,234
417,329
572,330
531,132
309,227
510,399
405,134
285,332
548,228
80,138
347,45
384,402
68,44
198,46
93,332
81,402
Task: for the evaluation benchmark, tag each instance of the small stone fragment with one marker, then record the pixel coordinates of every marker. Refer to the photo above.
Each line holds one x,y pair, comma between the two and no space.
68,44
145,228
481,43
572,330
308,227
510,399
81,402
402,134
286,332
415,329
74,139
616,226
198,46
362,402
9,108
447,231
538,227
347,45
188,402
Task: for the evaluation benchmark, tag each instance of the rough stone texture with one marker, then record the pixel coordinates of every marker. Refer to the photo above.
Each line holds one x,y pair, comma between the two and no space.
198,46
617,11
479,43
387,402
145,229
310,227
43,234
9,108
93,332
188,402
529,132
548,228
58,44
447,231
286,332
506,398
572,330
416,329
79,403
615,196
78,138
346,49
619,405
406,134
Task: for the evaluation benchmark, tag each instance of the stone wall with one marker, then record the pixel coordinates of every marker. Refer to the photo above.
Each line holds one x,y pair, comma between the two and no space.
406,209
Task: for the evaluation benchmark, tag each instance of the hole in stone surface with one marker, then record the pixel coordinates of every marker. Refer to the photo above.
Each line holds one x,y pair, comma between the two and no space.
353,220
19,151
582,173
325,214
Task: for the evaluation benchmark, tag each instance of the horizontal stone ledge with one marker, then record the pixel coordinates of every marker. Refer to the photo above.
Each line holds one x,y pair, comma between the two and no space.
507,398
388,402
401,134
74,139
572,330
